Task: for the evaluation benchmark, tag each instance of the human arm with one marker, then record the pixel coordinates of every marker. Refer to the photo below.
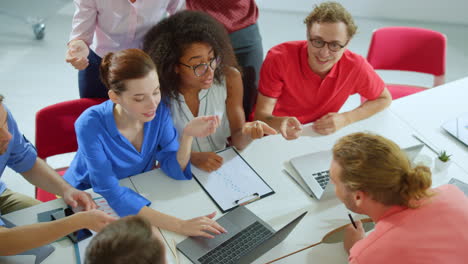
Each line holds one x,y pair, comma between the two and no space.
44,177
288,126
197,226
83,27
22,238
353,235
242,133
332,122
201,126
207,161
77,54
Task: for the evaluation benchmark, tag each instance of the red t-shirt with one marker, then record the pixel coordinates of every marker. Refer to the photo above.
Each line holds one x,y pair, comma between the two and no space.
233,14
287,76
431,234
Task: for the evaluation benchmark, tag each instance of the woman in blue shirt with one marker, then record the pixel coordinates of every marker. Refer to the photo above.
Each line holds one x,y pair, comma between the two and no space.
131,133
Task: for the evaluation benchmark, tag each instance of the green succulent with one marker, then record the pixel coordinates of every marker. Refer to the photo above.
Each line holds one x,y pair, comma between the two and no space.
443,156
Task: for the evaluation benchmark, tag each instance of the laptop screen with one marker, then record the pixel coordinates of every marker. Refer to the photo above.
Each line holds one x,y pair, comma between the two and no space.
458,128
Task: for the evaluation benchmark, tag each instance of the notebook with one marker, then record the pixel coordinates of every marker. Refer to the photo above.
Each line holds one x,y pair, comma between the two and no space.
313,168
458,128
248,238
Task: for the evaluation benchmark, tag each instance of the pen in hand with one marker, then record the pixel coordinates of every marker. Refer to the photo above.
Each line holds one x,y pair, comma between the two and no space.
352,220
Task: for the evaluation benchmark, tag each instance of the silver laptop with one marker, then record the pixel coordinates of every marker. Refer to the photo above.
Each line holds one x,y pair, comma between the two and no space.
248,238
458,128
314,168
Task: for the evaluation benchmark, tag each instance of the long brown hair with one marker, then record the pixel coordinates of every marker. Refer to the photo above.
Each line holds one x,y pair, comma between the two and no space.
377,166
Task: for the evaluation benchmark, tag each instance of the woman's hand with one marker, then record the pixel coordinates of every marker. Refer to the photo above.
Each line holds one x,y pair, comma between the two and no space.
202,126
257,129
207,161
202,226
77,54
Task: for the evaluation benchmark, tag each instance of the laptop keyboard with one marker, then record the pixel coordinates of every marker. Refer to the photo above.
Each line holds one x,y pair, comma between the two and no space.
232,249
322,178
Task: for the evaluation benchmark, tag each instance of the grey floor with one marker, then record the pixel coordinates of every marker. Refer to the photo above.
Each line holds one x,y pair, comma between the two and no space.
33,73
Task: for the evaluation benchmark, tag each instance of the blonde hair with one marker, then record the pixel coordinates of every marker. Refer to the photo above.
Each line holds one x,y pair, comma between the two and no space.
331,12
377,166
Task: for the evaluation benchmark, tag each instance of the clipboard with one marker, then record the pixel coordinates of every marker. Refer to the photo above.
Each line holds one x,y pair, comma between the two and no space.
236,183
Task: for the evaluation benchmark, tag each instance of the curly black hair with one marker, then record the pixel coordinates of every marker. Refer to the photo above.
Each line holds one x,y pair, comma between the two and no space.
166,42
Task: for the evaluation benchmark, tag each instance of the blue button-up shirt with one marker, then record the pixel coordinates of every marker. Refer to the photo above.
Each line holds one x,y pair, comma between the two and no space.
20,155
104,156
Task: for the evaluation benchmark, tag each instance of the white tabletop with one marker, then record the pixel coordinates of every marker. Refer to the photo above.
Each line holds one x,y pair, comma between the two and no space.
186,199
427,111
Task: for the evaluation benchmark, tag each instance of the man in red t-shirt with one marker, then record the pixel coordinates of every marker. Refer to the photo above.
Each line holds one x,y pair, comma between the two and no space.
309,81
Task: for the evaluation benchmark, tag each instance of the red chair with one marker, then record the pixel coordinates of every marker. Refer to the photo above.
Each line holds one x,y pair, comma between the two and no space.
408,49
55,132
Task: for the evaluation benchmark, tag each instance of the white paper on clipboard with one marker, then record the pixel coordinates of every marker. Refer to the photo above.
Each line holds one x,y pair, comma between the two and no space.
232,184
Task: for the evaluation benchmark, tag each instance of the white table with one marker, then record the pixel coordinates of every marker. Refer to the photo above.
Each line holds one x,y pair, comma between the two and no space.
427,111
185,199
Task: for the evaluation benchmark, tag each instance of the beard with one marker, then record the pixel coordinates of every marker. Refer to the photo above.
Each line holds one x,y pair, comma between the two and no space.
350,203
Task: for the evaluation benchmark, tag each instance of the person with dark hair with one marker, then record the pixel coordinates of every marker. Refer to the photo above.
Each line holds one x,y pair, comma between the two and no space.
240,20
103,26
19,154
132,133
199,76
309,81
131,239
414,222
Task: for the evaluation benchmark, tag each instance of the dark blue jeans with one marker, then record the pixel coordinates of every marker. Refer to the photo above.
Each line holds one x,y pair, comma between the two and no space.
247,44
89,81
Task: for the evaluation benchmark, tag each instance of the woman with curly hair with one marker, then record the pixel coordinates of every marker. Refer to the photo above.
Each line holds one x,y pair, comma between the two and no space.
199,76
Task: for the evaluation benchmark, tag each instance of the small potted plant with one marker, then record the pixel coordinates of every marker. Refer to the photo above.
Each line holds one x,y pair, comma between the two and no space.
443,161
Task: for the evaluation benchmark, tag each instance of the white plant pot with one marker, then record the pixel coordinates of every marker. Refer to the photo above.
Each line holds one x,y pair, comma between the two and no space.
440,165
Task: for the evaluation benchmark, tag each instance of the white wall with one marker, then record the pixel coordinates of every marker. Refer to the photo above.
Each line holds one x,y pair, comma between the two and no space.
448,11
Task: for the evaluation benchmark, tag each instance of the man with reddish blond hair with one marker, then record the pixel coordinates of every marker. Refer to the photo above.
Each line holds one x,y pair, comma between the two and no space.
414,222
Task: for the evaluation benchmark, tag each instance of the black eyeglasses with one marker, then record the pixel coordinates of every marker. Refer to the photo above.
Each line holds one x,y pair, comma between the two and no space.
332,46
202,68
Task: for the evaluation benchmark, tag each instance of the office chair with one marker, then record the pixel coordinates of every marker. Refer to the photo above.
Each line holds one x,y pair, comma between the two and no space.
408,49
55,132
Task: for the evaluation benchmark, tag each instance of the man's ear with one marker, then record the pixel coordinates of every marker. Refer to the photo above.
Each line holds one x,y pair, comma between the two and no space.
115,98
359,198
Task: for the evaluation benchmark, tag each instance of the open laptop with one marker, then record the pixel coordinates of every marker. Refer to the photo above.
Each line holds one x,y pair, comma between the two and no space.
248,238
314,168
458,128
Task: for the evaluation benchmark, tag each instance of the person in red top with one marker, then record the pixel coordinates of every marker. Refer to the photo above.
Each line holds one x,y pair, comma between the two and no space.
309,81
414,222
240,20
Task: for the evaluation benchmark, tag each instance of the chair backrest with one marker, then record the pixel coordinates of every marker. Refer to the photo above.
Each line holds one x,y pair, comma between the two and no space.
55,129
408,49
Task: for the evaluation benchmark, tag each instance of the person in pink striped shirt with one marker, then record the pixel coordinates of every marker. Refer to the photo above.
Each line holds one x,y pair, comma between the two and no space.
104,26
414,222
